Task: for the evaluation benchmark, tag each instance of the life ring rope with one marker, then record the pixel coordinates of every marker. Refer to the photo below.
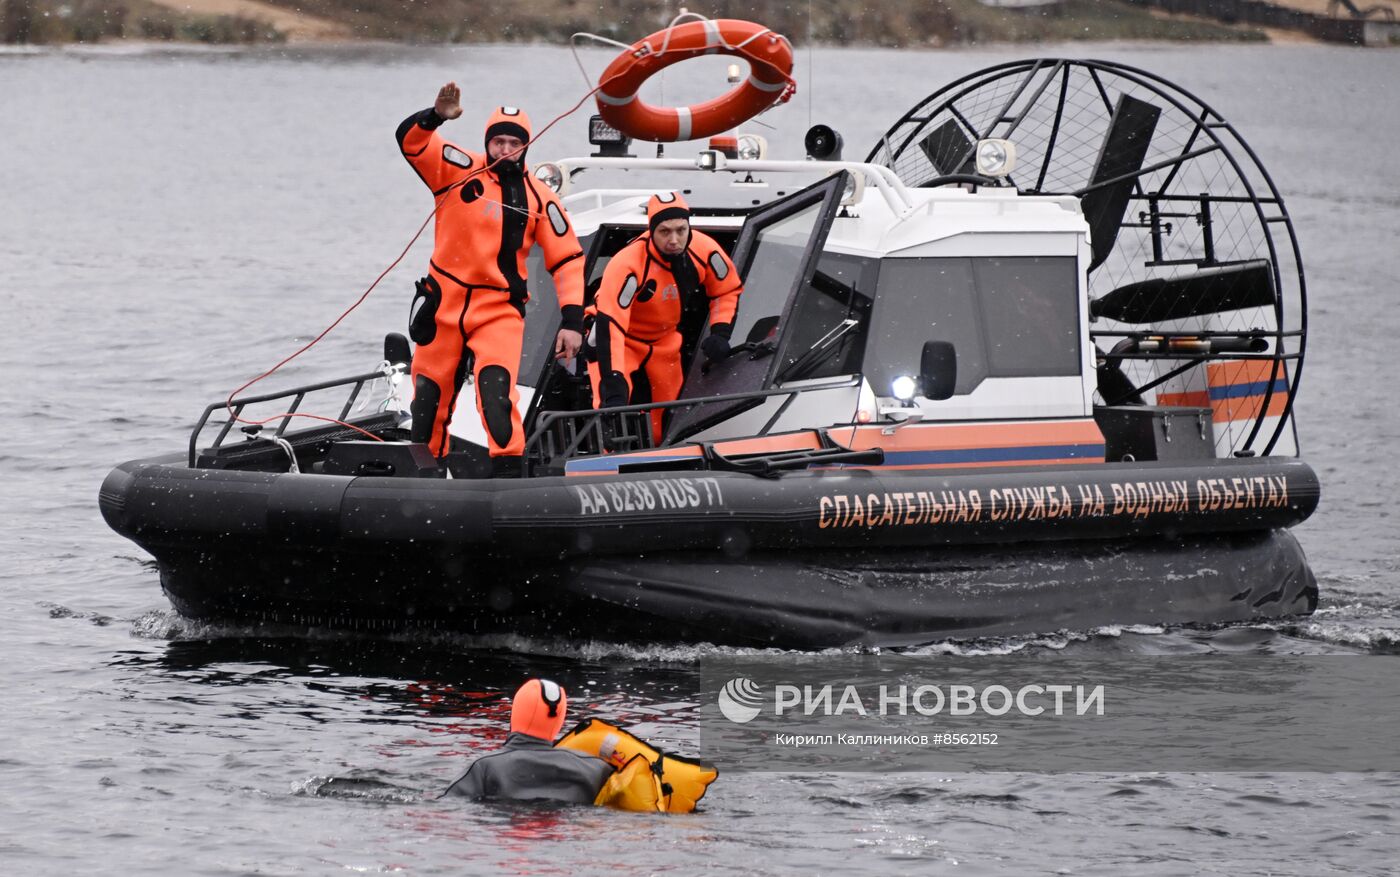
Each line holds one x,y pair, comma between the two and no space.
598,38
593,91
286,416
711,26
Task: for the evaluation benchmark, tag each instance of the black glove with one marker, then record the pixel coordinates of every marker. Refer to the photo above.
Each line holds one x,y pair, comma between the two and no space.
572,317
589,351
422,314
715,347
612,390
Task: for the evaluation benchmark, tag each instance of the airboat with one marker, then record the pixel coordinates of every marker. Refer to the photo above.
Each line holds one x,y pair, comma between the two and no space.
1031,365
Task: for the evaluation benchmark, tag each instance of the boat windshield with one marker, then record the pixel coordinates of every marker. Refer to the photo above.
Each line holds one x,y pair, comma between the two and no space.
778,254
541,319
828,325
1006,317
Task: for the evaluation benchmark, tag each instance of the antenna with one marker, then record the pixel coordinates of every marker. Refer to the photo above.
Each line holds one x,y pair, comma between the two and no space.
811,76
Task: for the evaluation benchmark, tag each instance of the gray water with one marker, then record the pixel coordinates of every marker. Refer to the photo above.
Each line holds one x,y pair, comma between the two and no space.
173,223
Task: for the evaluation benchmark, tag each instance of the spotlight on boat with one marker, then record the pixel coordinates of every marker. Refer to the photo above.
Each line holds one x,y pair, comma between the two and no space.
732,73
822,143
995,158
611,142
854,189
554,176
904,388
752,147
711,160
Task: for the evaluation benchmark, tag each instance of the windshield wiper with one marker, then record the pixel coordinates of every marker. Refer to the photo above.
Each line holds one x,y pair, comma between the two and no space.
818,352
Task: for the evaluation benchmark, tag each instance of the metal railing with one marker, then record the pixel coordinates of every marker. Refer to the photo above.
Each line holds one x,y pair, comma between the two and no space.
889,185
558,435
296,394
564,435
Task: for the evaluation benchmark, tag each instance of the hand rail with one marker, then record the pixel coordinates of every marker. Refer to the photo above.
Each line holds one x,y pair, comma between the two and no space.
891,187
298,395
594,416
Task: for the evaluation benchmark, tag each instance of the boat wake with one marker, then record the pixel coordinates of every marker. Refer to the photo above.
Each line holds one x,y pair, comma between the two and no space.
169,625
1360,626
1349,628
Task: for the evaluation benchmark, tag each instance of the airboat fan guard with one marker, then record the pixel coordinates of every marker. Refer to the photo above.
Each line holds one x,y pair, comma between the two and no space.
1196,283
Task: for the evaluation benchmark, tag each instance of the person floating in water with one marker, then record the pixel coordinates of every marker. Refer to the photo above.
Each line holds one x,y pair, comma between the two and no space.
471,306
528,767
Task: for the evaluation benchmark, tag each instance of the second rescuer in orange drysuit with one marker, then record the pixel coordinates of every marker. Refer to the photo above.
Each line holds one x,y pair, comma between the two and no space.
635,332
471,306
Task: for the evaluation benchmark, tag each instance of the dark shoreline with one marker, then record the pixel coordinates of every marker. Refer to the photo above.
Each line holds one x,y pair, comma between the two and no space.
912,24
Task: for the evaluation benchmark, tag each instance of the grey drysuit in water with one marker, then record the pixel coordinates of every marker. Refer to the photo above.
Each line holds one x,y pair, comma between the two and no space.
530,769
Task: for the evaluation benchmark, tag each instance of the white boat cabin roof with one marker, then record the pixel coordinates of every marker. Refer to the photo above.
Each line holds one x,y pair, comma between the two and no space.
881,217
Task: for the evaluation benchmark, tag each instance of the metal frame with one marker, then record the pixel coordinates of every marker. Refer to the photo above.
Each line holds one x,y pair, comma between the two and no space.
891,188
297,394
824,193
592,421
1209,126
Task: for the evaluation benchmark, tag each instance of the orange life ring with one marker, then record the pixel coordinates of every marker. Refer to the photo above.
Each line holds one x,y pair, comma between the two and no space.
769,81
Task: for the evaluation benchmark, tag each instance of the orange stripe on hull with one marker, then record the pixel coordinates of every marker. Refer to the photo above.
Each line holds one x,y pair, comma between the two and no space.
948,437
970,446
1226,377
1196,399
1242,371
1247,407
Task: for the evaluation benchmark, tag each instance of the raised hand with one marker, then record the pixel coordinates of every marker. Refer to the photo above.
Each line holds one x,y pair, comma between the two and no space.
449,101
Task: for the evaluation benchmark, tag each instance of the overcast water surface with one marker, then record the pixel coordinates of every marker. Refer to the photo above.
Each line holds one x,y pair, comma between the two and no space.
172,223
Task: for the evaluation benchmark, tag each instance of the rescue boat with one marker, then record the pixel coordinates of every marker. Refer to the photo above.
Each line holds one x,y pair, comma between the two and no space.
1029,366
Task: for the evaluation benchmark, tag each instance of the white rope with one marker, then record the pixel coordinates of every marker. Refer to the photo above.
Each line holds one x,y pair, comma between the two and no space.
666,42
665,45
386,371
573,47
530,213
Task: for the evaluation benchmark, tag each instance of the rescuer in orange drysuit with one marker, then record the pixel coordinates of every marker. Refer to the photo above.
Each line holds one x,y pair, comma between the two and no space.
635,332
471,306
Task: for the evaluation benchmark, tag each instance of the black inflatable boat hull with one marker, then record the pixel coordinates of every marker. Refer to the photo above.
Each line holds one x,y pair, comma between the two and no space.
810,559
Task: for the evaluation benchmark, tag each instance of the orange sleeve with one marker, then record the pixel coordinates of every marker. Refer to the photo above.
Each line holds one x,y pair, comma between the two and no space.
721,280
438,163
563,257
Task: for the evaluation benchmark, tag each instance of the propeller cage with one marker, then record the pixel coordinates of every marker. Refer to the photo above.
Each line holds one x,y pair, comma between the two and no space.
1190,238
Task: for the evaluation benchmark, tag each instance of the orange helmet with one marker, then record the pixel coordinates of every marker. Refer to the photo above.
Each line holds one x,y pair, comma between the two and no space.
511,122
664,206
538,709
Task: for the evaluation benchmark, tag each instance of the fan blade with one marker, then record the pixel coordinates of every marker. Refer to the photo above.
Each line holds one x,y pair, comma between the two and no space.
1230,288
1124,149
948,149
1115,386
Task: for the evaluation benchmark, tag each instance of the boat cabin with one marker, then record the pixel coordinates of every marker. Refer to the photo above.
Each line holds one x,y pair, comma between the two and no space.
865,302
